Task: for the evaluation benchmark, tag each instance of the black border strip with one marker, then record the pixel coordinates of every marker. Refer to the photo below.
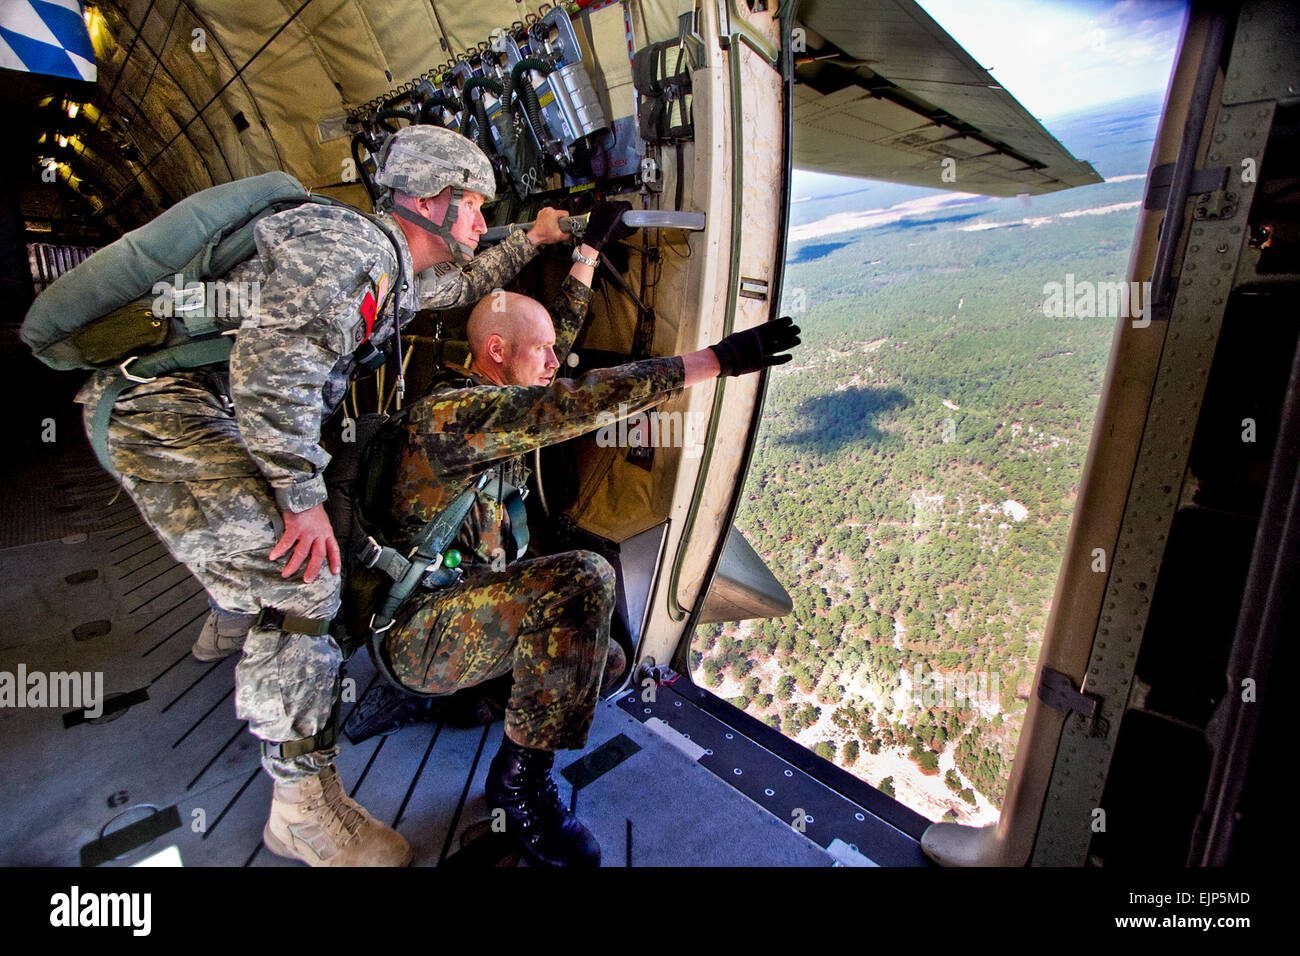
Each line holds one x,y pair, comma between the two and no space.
119,843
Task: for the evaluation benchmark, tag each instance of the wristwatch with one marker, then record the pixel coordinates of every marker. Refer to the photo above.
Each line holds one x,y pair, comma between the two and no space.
579,257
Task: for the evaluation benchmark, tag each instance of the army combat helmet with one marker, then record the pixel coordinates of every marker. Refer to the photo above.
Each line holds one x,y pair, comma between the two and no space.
424,160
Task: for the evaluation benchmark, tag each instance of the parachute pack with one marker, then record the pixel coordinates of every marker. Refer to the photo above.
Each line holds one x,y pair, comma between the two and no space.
662,75
105,312
98,313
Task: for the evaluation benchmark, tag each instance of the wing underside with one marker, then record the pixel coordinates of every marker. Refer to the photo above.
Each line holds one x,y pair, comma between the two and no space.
883,92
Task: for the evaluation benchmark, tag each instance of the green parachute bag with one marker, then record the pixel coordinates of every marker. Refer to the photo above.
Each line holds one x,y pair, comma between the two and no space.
99,312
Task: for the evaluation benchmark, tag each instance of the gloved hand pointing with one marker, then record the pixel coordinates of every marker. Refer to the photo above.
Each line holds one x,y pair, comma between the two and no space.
757,348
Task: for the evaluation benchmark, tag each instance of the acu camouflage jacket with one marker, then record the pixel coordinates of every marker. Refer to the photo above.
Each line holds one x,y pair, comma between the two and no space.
327,271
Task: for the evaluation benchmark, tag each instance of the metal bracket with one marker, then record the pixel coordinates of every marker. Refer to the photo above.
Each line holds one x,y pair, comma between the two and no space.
1162,177
659,673
1057,690
1219,204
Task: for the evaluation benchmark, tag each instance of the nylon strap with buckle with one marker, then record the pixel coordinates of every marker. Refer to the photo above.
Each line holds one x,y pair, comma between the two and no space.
277,620
323,739
425,559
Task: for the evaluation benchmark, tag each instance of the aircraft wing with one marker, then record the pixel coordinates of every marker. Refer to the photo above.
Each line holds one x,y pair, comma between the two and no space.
883,92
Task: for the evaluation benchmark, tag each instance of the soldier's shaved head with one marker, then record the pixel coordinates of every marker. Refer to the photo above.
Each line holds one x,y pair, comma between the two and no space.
501,313
511,338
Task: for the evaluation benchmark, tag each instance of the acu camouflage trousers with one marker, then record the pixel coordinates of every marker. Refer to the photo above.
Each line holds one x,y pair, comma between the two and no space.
178,453
545,620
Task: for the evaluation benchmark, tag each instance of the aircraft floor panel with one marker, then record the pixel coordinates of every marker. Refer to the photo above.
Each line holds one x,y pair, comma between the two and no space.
854,834
169,764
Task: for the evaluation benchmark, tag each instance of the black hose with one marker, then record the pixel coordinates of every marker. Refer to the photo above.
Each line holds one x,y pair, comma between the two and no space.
395,98
481,135
474,82
358,140
429,111
507,130
529,63
524,92
383,116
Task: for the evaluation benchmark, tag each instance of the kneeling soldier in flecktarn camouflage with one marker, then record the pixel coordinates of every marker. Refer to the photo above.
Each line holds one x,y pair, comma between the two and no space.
545,620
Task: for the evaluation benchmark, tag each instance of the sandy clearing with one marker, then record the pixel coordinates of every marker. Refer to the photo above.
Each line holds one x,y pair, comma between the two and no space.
866,218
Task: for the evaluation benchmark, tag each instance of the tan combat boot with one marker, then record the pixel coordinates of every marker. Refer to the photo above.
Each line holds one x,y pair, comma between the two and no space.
316,822
212,645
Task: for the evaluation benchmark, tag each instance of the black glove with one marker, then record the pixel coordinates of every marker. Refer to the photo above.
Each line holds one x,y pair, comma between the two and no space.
756,348
605,224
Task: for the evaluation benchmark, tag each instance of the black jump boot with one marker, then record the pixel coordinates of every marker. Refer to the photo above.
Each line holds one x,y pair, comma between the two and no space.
519,781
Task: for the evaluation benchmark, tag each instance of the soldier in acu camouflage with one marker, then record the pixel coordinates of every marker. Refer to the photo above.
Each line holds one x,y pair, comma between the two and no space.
545,620
227,467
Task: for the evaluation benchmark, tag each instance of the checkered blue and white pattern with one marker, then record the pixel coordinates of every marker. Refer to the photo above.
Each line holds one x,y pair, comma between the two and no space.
46,36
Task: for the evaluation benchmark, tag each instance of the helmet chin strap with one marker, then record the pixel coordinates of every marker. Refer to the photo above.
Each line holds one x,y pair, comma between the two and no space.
461,254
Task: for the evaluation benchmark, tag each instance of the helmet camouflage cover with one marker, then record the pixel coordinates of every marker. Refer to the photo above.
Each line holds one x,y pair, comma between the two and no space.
424,160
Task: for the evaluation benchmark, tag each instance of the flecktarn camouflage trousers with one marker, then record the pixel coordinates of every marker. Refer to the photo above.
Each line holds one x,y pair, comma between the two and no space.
545,620
178,453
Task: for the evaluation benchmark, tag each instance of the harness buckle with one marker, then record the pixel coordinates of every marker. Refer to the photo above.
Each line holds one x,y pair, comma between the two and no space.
133,378
370,552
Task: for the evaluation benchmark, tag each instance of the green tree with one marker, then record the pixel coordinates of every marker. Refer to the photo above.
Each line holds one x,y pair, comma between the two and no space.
784,687
850,753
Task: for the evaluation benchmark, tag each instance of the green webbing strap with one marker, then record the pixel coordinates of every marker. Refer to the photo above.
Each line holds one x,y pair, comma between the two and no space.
426,552
429,546
277,620
394,565
323,739
134,371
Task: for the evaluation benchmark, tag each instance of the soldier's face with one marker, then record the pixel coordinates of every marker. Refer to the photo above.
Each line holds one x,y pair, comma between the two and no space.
531,359
469,223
